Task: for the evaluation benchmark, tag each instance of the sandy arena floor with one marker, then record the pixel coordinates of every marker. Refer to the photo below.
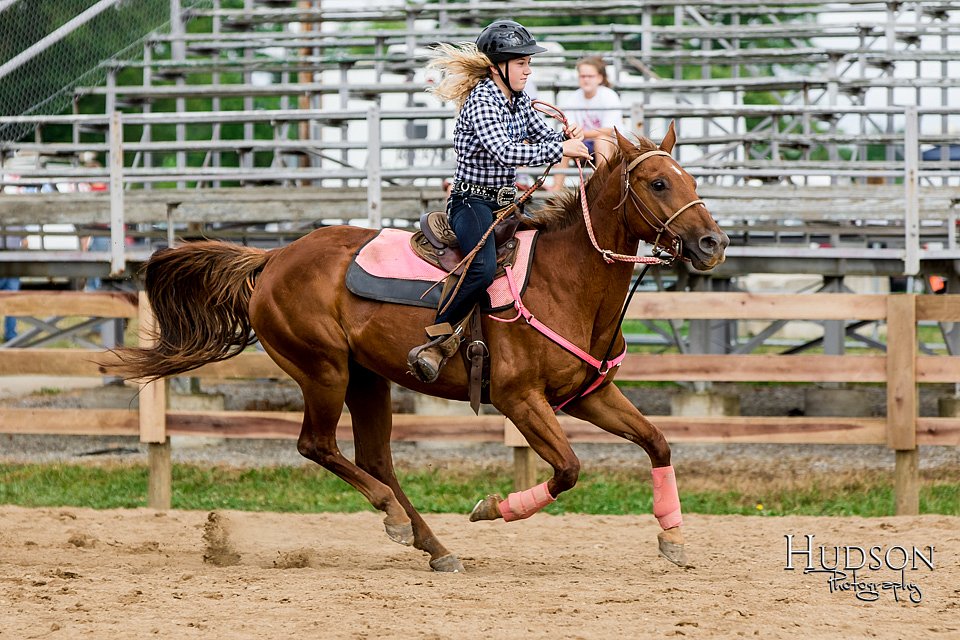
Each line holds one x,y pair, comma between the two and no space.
72,573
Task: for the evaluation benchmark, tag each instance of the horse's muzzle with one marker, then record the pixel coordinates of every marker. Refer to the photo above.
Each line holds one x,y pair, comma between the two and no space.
709,250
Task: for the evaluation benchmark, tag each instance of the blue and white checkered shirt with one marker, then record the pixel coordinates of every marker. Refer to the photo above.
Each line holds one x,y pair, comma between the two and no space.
489,138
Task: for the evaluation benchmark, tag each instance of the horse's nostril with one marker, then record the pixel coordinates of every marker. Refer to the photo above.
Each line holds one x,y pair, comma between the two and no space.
713,243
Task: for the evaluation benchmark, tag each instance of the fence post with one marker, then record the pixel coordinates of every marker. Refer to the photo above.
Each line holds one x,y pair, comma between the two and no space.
153,418
374,173
902,400
524,458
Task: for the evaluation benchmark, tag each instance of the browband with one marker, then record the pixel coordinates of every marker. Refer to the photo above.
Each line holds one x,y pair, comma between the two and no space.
644,156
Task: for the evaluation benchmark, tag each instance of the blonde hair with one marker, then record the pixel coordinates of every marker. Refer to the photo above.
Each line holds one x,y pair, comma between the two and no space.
462,67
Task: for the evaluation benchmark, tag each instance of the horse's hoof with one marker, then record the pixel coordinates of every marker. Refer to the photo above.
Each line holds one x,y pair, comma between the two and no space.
400,533
675,552
487,509
447,564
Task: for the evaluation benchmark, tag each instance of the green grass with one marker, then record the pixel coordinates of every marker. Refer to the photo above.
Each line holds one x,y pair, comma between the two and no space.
310,490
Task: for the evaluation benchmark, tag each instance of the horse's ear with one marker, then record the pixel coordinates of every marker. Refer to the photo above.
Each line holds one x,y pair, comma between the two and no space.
627,148
670,139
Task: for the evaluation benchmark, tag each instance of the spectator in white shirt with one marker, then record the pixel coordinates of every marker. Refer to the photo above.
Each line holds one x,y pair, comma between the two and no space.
596,108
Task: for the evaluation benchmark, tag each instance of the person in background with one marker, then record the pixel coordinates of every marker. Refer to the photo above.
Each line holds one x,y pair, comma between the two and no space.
99,242
10,243
596,107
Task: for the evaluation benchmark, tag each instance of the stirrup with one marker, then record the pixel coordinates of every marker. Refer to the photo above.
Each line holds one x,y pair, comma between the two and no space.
426,360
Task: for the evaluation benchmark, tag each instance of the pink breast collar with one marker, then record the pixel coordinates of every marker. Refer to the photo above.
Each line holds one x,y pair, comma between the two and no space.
602,367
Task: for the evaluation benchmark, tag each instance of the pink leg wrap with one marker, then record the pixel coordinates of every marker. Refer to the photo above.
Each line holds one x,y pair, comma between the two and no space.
524,504
666,500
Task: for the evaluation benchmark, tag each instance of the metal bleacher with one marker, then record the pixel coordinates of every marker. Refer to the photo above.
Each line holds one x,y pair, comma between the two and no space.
805,123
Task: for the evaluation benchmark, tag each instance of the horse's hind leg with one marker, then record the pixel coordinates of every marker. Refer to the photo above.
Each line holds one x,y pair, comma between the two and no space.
611,411
368,397
323,403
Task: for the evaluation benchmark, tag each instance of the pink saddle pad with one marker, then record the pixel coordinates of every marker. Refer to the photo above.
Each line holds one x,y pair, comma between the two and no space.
388,260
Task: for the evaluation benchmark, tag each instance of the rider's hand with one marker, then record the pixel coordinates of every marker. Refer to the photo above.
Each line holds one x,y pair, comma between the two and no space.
575,149
574,131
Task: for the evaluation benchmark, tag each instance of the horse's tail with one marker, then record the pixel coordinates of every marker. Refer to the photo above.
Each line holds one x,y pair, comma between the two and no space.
200,293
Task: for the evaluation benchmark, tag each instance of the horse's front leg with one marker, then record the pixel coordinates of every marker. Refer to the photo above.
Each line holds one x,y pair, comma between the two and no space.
611,411
538,424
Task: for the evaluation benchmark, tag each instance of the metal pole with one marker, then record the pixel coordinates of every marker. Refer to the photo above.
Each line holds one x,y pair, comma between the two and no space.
911,195
6,4
443,17
171,233
117,258
952,228
55,36
178,50
636,118
646,34
147,108
374,204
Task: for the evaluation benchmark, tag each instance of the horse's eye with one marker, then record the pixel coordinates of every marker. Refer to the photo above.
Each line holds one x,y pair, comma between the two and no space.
659,184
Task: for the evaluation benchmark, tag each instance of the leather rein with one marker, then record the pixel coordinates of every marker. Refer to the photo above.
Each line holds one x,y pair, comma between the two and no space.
674,246
674,250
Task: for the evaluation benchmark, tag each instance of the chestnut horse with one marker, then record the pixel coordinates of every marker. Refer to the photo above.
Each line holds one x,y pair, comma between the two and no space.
208,296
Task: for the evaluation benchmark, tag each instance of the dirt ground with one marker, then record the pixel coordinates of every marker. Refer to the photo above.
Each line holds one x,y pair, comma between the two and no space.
71,573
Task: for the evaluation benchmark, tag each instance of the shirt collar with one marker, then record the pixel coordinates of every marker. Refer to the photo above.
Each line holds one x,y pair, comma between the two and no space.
490,86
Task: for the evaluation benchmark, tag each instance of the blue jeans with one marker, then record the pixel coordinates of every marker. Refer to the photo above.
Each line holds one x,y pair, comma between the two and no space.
9,323
470,218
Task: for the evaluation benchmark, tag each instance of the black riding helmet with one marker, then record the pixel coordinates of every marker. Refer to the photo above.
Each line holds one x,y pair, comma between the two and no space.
504,40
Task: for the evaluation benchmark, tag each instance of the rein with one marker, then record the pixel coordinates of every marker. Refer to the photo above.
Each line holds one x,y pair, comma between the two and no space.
502,214
604,365
674,249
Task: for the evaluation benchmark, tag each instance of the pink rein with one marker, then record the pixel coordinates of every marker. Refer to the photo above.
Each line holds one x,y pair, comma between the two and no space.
603,367
608,256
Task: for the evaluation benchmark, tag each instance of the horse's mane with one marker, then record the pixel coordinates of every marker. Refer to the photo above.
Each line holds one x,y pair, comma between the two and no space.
563,209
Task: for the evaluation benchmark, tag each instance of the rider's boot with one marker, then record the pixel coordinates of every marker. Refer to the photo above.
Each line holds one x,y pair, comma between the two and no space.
426,360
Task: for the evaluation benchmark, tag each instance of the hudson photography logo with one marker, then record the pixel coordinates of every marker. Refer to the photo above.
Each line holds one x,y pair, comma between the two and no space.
867,573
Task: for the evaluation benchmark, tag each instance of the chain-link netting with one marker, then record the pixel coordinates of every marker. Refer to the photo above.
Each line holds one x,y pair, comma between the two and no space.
43,83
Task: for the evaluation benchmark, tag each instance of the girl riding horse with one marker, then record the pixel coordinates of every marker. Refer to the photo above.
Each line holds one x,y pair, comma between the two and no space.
496,131
213,299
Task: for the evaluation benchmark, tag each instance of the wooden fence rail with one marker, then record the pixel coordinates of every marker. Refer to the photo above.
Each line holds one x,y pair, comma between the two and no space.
901,369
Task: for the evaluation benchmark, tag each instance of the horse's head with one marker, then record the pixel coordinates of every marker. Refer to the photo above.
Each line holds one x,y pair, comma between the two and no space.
660,204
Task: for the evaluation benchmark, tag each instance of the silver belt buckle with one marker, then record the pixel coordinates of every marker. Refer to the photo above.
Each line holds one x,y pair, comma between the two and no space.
506,195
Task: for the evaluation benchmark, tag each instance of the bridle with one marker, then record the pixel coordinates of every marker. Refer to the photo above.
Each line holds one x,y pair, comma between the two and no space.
673,249
674,245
